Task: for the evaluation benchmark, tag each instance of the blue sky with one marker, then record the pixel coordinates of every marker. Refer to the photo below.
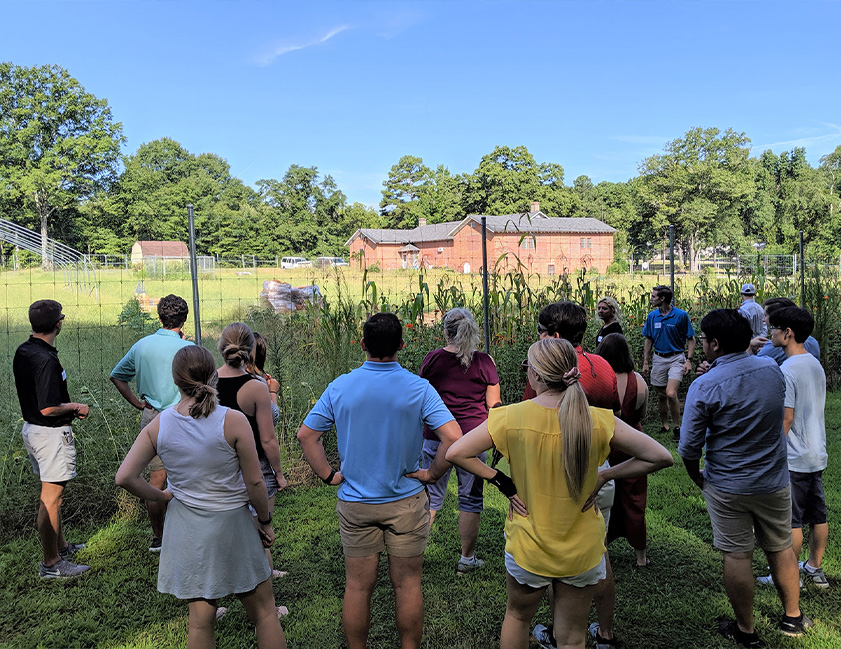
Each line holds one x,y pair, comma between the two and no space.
350,87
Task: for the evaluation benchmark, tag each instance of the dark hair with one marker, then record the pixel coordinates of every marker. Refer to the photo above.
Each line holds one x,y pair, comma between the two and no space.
257,362
614,349
665,292
44,316
236,343
172,311
729,327
800,321
382,334
773,303
567,319
194,372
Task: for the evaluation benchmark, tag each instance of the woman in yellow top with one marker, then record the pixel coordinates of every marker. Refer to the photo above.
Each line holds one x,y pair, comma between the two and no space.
554,445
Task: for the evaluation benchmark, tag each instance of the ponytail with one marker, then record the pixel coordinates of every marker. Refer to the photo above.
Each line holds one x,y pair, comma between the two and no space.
194,373
463,333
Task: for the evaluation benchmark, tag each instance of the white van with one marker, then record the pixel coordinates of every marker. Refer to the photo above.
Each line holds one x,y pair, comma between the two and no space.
295,262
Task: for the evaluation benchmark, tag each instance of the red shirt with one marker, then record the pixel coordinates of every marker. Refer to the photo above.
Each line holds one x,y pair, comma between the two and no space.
597,379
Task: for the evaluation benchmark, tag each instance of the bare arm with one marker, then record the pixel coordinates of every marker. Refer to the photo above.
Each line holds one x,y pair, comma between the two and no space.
449,433
690,352
493,396
788,420
646,352
313,449
258,393
642,395
141,453
79,410
125,391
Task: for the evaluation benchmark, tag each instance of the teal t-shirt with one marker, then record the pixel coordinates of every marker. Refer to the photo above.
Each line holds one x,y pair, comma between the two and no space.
150,361
379,411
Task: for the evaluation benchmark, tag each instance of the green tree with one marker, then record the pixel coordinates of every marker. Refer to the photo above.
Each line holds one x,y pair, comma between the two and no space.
505,182
830,171
58,143
440,197
402,189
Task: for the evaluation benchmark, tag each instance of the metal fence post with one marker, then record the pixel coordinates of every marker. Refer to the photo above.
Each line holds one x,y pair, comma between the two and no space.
194,273
802,274
672,257
485,284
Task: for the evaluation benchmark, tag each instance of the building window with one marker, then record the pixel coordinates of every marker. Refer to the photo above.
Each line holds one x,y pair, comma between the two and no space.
551,269
583,243
589,242
527,243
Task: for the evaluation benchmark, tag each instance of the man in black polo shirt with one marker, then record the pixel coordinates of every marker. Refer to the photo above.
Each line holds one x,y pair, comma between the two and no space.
47,412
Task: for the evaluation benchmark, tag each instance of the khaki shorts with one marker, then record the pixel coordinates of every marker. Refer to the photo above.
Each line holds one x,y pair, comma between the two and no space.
401,527
52,452
737,518
668,369
145,419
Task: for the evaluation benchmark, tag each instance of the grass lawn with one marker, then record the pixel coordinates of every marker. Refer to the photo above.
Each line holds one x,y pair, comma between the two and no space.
672,604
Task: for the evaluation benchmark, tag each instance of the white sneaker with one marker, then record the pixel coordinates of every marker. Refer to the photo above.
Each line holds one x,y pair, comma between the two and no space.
769,581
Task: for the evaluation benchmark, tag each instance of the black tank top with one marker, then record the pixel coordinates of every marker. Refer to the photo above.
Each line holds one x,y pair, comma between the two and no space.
228,388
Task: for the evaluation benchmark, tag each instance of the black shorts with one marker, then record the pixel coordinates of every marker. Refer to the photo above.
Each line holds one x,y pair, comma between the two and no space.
808,505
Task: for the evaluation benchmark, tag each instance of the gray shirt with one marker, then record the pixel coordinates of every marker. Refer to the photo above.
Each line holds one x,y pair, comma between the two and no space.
806,393
736,411
755,314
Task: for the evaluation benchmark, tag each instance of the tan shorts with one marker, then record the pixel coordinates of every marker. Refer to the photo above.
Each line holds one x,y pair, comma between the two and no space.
52,452
401,527
737,518
145,419
668,369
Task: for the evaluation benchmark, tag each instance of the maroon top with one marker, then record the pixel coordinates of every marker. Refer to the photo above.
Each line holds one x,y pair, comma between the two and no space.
597,379
462,390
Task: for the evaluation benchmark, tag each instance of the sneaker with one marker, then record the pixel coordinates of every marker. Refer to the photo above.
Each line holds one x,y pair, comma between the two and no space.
600,642
70,551
676,434
155,545
730,630
62,569
543,635
221,611
464,567
282,612
769,581
795,626
279,574
815,575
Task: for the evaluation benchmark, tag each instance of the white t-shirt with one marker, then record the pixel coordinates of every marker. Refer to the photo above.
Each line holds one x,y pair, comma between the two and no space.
806,393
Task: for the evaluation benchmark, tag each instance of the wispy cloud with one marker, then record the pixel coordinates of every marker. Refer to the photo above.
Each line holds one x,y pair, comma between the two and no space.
833,136
287,46
641,139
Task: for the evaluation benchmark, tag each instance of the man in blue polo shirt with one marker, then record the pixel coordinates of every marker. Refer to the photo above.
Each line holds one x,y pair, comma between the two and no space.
150,361
666,330
379,411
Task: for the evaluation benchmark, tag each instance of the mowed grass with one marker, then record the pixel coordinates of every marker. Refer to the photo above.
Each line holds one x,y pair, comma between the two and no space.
672,604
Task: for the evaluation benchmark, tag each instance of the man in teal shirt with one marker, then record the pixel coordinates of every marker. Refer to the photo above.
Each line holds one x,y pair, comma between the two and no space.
150,361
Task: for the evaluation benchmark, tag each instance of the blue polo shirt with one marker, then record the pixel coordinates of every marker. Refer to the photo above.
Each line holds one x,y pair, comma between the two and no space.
379,410
668,332
150,361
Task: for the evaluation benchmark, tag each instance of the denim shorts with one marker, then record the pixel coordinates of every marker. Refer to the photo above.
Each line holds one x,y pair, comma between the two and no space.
470,495
588,578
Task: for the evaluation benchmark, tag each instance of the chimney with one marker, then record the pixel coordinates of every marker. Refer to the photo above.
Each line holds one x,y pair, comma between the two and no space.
421,222
535,207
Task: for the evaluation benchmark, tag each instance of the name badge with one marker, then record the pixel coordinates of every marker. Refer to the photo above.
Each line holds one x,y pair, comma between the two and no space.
63,375
658,325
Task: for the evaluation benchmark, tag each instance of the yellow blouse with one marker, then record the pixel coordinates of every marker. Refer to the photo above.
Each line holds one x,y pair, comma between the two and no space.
557,539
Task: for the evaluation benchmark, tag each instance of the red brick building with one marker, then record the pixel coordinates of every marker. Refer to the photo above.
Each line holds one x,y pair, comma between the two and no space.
544,245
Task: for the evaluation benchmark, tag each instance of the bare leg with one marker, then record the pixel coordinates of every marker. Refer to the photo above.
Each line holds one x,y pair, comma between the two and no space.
674,401
604,596
817,543
519,611
157,511
49,521
468,530
739,585
360,578
405,573
786,576
663,406
260,606
572,605
200,623
797,541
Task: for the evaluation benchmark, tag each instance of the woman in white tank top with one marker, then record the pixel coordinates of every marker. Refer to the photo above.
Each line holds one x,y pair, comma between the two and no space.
211,547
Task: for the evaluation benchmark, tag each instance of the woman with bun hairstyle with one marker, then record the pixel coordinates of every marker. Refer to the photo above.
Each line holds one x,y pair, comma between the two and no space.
468,384
211,547
554,444
241,391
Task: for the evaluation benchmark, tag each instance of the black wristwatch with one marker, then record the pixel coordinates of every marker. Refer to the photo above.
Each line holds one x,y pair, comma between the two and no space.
329,478
268,522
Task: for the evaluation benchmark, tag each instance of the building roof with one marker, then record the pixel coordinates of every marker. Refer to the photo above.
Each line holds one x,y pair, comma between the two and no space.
532,222
163,248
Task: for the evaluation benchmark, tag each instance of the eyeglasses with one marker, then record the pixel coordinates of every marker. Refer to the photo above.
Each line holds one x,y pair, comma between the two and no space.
772,329
525,365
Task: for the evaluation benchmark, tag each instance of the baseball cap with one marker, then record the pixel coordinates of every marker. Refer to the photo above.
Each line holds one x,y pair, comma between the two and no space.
748,289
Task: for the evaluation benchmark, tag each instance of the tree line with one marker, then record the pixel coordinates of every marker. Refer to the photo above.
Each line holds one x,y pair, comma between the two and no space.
62,172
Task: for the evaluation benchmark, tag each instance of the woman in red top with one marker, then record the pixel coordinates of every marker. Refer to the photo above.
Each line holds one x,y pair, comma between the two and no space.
468,383
628,514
